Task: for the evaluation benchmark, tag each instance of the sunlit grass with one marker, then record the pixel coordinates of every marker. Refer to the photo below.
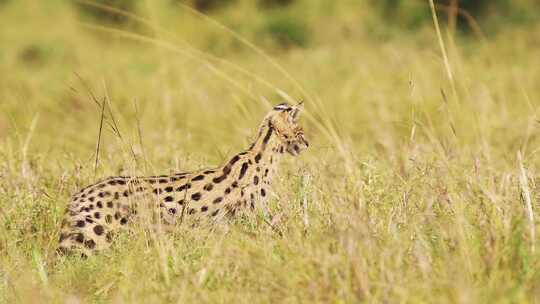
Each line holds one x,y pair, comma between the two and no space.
405,195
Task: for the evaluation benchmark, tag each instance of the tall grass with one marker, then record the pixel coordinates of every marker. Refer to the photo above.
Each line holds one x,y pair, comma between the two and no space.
404,195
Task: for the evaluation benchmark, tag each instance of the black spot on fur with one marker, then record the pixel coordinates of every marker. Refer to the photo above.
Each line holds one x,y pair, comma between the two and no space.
97,215
243,170
126,193
163,180
209,171
234,184
117,216
123,221
266,172
110,204
268,134
196,196
80,224
99,204
91,198
168,189
198,177
78,237
98,229
156,191
90,244
181,202
121,182
218,200
204,208
263,192
234,160
258,157
169,199
215,212
208,187
116,195
227,190
219,179
255,180
63,236
112,183
191,211
172,211
183,187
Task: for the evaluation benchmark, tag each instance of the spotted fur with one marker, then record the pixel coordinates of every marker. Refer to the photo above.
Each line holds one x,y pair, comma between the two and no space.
98,211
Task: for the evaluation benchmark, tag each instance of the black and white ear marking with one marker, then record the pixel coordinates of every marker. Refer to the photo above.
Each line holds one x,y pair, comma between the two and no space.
296,110
283,107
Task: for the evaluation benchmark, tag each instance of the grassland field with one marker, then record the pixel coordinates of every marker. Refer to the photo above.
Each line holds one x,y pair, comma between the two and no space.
416,187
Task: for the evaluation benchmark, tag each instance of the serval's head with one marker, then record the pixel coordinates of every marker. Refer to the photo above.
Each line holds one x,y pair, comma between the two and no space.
284,119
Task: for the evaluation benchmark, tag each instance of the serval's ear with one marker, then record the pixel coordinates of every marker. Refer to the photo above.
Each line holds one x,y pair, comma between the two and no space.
295,112
283,107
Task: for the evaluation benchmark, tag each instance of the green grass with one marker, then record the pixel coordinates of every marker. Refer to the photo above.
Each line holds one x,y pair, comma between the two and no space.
410,191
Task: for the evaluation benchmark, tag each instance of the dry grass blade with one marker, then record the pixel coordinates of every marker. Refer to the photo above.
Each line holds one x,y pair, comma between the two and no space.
306,183
526,196
443,50
26,145
98,143
139,133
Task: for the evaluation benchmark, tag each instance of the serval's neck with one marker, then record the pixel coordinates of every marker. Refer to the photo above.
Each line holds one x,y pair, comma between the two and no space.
265,154
267,141
267,148
252,170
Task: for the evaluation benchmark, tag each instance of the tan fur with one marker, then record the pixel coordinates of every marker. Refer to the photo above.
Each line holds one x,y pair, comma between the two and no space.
96,212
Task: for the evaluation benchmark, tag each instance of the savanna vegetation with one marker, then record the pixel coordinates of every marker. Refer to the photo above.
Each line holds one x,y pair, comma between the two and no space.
420,185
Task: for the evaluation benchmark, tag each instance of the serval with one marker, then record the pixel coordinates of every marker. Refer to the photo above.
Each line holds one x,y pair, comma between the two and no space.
96,212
